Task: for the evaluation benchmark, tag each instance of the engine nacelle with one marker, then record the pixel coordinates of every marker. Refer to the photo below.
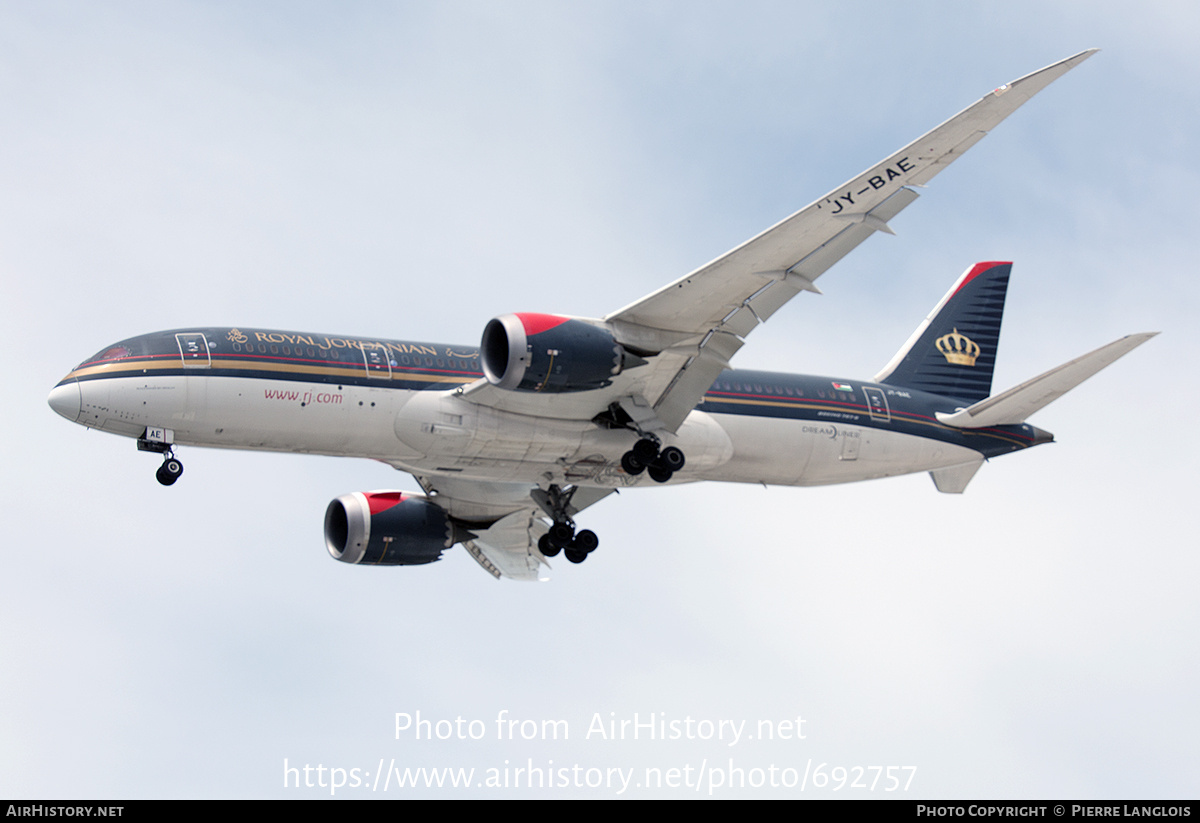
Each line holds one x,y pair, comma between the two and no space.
549,353
388,528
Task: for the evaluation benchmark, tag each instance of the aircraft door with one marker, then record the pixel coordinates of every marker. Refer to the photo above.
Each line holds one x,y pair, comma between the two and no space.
377,360
877,404
193,348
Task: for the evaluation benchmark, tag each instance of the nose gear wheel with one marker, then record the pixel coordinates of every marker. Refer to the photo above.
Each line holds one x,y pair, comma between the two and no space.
170,470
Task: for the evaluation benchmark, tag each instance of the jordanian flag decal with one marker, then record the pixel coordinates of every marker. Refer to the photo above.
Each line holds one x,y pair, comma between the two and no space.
843,386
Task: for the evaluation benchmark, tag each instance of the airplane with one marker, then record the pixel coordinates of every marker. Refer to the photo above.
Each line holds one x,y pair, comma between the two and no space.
511,439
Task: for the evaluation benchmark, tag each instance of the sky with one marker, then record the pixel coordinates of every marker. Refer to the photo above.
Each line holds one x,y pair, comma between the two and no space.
411,170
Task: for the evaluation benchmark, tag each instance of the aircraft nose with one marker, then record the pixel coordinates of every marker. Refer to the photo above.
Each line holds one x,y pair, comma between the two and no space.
64,399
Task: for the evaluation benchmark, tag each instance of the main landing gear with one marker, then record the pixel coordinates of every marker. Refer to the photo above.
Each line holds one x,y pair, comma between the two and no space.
645,455
171,467
647,452
562,535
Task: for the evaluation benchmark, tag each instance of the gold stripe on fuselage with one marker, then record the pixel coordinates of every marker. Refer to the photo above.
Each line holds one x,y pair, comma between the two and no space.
347,370
810,406
125,368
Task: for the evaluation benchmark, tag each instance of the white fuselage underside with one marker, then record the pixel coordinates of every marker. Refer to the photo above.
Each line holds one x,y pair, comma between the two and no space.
439,433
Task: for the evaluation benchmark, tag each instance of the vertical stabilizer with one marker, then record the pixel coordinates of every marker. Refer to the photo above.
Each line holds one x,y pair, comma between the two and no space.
953,352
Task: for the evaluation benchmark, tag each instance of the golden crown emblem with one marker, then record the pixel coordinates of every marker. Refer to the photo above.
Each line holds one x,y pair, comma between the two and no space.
958,348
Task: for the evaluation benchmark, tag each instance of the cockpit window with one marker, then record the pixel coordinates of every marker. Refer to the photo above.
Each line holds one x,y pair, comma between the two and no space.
111,353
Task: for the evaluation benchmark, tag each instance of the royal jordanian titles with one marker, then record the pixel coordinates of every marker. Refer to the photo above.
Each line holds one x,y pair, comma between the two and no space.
511,439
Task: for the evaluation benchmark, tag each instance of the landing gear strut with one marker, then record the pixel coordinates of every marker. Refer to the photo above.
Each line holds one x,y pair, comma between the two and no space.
562,535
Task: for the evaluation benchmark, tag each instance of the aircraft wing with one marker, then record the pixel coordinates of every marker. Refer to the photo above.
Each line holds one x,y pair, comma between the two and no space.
505,519
696,324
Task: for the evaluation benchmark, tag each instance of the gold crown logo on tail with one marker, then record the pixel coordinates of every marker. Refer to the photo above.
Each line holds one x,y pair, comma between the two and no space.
958,348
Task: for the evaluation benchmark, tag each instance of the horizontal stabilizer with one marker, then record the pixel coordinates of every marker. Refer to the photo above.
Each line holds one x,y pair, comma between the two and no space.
1018,403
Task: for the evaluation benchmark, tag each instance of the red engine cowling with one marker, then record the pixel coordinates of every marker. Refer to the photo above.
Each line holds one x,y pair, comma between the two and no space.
388,528
549,353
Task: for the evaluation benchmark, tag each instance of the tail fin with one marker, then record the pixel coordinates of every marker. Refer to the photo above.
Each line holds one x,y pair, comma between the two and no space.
953,352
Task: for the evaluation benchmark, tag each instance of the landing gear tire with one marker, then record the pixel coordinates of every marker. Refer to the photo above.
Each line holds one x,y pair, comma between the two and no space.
546,546
632,464
169,471
586,541
659,474
561,534
645,455
645,449
671,459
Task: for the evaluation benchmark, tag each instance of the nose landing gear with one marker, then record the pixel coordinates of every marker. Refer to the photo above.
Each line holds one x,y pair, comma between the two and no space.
159,442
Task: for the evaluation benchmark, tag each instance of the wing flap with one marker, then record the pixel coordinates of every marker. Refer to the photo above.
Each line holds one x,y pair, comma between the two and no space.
507,548
695,377
814,264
